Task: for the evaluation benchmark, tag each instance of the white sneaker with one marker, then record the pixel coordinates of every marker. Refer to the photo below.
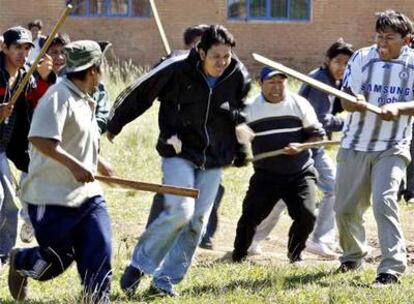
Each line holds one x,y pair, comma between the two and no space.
320,249
26,233
255,248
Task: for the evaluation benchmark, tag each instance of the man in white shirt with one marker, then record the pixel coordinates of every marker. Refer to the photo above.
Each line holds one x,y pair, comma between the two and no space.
374,151
65,203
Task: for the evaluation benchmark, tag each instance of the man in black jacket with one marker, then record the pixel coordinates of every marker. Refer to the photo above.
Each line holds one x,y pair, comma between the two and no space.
201,96
15,122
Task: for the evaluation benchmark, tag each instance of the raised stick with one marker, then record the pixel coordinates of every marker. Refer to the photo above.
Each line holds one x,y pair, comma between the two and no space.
313,82
302,146
160,28
42,52
158,188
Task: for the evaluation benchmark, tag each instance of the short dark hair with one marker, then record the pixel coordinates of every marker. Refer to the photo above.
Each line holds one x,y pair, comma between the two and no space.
216,34
193,32
339,47
34,23
397,21
81,75
60,38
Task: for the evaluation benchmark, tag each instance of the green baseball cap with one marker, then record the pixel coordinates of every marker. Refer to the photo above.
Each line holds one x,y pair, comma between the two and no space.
81,55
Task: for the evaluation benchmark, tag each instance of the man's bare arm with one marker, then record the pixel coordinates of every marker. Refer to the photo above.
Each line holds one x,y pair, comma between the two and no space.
52,149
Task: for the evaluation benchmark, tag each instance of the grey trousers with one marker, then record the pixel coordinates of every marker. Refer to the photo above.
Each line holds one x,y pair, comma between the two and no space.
360,174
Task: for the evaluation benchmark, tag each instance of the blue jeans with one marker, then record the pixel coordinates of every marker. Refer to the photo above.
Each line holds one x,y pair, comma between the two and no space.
324,231
167,246
8,209
23,213
64,235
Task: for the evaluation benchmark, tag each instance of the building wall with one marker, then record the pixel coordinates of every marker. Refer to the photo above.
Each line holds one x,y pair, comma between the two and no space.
299,45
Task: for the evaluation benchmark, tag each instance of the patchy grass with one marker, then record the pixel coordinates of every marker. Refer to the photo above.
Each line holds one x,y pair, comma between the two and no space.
213,278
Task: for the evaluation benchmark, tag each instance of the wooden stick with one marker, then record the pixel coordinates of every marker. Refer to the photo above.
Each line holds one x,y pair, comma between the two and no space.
42,52
307,145
313,144
160,28
313,82
158,188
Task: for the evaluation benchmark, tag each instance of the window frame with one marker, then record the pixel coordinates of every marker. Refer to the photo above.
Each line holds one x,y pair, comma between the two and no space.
268,16
108,14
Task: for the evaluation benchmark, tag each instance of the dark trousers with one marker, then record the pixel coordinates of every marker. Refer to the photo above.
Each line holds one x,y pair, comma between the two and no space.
265,189
158,206
64,235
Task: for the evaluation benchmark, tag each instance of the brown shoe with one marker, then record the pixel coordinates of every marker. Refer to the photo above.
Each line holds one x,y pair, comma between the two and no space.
17,281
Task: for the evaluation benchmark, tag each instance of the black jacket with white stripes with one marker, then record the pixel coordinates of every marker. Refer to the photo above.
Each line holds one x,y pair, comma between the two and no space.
203,118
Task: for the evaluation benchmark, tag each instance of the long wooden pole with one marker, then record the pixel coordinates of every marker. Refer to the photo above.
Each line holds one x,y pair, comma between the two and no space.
313,82
160,27
308,145
158,188
42,52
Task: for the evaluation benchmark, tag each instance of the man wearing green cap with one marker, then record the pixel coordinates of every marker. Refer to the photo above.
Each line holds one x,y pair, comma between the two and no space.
65,203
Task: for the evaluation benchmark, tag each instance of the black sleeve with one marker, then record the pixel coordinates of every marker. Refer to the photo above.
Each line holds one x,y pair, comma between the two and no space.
139,96
244,90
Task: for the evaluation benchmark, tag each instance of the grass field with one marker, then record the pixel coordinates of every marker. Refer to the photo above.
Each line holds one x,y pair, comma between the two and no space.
213,278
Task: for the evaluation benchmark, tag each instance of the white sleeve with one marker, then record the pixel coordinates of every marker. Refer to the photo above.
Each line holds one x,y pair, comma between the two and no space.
49,117
353,74
309,118
248,109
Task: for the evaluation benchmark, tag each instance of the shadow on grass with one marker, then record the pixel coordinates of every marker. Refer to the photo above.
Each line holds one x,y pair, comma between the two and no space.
8,301
245,284
298,280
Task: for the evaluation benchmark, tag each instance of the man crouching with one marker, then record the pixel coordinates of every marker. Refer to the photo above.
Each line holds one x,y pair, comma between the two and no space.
279,119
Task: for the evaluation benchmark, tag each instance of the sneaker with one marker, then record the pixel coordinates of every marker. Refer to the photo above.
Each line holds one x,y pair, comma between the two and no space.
206,244
385,279
17,281
26,233
157,291
349,266
320,249
130,279
255,248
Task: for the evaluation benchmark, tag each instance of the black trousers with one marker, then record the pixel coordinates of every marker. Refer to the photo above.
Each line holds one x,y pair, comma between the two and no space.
265,189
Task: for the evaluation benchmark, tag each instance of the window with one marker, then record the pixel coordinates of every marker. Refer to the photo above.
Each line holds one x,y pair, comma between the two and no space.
283,10
116,8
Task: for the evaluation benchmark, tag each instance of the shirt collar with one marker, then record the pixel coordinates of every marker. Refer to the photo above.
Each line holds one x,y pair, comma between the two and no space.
76,90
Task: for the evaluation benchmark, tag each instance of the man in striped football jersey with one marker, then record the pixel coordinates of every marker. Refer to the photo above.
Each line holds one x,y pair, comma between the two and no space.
279,119
375,148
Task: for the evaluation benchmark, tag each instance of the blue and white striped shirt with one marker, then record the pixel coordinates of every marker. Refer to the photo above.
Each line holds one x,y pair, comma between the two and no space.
381,82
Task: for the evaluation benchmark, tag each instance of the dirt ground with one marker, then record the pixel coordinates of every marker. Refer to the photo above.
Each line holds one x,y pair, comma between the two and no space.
275,247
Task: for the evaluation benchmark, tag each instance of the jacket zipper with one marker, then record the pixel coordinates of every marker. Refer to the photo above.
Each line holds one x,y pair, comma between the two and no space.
203,164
